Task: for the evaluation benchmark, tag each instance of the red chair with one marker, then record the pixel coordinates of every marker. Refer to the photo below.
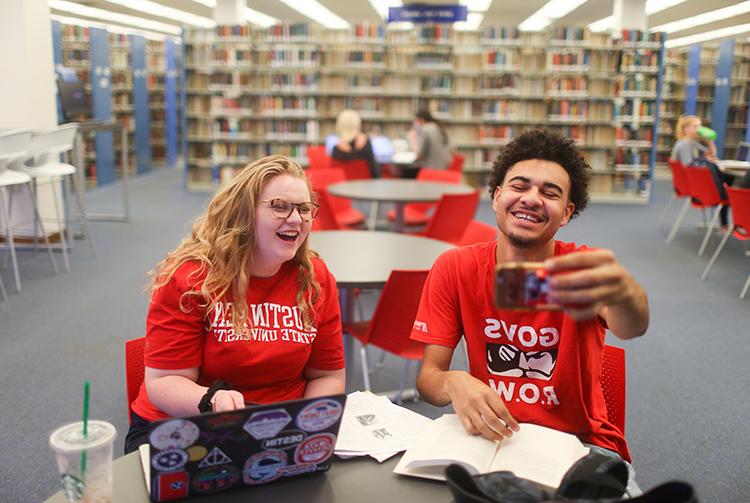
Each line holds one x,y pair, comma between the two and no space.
704,194
680,191
346,215
391,323
416,213
134,368
478,232
457,163
326,219
613,384
317,158
356,169
739,202
452,217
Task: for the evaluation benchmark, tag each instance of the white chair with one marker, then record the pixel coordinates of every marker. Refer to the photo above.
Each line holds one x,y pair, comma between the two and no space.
43,161
14,146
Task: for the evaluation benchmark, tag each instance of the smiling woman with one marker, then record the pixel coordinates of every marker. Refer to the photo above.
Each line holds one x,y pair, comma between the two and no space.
242,310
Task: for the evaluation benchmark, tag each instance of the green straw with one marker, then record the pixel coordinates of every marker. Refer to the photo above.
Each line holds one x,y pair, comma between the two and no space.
86,386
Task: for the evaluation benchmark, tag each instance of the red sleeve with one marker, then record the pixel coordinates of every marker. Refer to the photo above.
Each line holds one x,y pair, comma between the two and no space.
174,337
327,351
439,317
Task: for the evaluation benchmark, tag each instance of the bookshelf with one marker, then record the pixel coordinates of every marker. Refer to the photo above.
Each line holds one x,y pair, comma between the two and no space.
156,65
121,86
679,77
252,92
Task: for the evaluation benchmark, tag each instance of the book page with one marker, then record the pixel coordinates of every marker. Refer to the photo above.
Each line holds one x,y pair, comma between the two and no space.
539,454
444,442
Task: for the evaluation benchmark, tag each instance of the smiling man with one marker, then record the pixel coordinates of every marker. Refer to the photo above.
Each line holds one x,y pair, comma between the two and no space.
540,367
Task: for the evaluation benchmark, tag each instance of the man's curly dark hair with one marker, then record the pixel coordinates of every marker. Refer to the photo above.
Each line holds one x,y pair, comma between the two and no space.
548,146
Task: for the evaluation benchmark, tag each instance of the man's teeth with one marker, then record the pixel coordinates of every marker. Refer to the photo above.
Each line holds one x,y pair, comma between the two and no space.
528,218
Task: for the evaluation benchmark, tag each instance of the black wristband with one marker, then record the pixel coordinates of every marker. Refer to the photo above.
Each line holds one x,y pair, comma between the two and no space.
205,404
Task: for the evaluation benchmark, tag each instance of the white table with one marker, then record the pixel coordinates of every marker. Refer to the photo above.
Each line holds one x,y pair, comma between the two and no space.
734,166
365,259
397,191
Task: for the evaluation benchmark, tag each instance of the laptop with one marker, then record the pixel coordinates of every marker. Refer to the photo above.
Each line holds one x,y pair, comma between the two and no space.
214,452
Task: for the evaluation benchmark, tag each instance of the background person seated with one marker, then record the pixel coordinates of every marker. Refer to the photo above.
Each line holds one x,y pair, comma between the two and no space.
353,143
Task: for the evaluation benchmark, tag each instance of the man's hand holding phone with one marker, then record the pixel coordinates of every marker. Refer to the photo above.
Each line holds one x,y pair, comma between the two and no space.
584,282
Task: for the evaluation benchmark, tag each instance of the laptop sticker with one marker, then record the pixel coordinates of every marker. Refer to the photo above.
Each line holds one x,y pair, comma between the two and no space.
315,449
263,467
171,486
197,452
284,440
216,478
267,423
215,457
170,460
175,434
319,415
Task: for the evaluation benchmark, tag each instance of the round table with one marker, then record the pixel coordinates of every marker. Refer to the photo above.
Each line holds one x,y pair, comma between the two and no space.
359,479
734,167
365,259
397,191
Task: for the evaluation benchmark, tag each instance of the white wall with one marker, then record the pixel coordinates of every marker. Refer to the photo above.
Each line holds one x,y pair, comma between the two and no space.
27,93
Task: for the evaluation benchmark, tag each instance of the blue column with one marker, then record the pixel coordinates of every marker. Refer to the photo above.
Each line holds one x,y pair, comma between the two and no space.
657,120
693,76
57,58
722,92
170,102
101,96
183,108
141,112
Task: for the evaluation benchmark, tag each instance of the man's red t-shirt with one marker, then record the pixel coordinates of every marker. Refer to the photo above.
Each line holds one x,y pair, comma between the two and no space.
267,367
544,365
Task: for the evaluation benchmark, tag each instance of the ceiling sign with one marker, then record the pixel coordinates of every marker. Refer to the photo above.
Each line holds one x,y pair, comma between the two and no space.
420,13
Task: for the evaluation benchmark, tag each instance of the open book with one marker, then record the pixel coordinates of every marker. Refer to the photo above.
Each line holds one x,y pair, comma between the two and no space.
534,453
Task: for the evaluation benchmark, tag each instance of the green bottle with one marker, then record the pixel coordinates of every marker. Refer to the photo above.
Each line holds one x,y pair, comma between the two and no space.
707,133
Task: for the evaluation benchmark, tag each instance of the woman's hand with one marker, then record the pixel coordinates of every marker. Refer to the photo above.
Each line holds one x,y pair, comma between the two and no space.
227,399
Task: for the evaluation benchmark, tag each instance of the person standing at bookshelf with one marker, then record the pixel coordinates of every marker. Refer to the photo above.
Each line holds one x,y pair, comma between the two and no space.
540,367
353,143
242,310
429,140
691,149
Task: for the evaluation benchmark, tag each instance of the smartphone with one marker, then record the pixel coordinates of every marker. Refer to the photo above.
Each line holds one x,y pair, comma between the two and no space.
522,286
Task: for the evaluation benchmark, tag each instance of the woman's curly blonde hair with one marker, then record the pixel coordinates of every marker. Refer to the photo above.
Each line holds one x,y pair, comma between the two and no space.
222,242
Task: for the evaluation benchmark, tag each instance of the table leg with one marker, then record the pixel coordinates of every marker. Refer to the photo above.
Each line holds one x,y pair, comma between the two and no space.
346,301
374,210
399,222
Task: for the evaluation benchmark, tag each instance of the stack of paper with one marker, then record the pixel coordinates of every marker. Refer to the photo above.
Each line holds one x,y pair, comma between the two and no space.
373,426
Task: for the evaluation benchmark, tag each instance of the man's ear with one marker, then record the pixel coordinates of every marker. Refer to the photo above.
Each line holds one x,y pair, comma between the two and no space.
495,197
568,213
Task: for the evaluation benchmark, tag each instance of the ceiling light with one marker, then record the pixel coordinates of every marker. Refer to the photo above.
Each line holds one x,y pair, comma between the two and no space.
116,17
706,17
258,18
476,5
318,13
113,28
473,20
652,7
160,10
248,14
729,31
548,14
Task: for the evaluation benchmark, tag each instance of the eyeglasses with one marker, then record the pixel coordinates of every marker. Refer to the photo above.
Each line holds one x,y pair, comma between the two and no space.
282,208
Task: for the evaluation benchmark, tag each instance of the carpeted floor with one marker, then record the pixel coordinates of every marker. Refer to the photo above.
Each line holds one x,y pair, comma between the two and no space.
687,387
